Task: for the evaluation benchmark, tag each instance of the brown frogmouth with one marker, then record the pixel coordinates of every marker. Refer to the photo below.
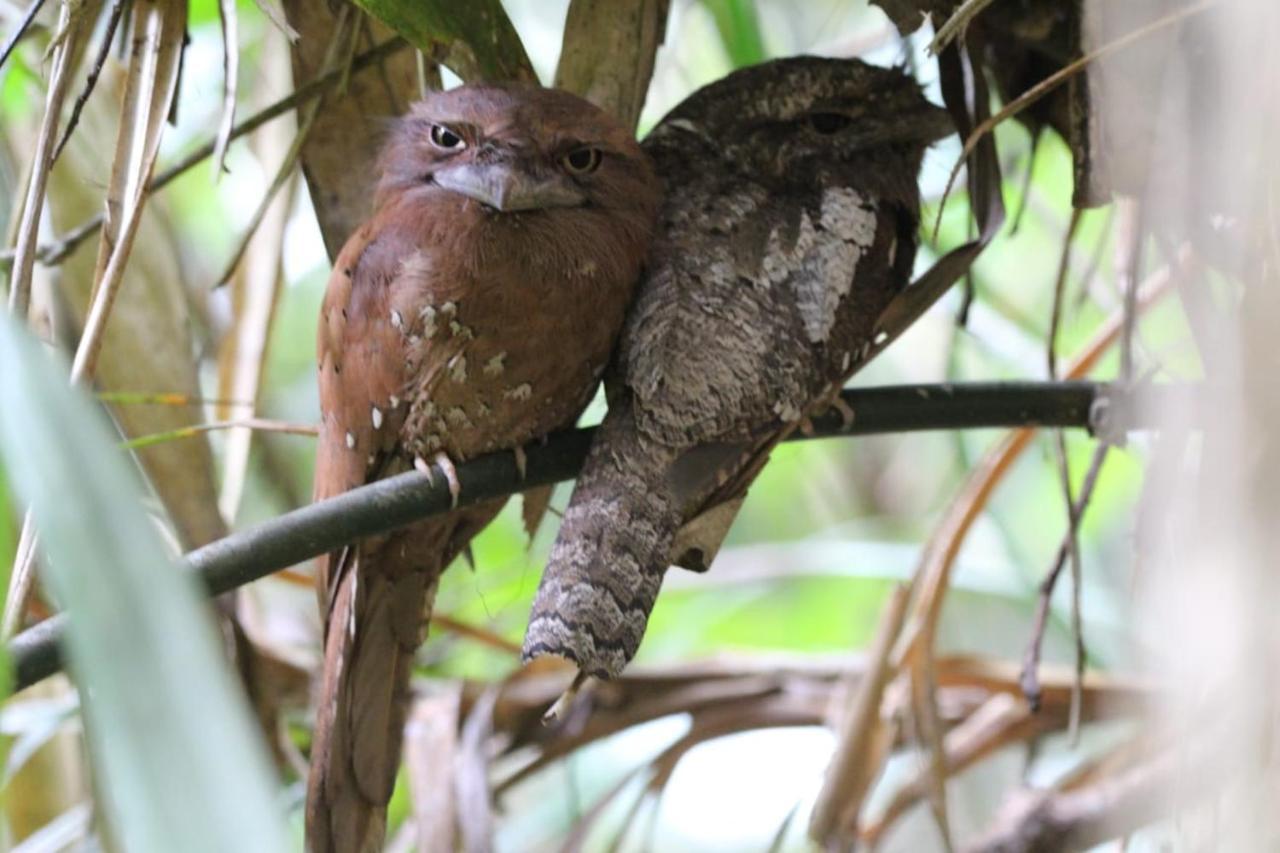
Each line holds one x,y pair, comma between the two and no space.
474,311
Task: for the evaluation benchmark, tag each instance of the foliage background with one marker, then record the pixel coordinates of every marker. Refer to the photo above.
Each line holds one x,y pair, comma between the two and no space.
829,527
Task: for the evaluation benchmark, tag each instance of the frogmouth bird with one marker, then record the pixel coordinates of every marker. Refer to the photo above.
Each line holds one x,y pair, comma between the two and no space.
474,311
789,223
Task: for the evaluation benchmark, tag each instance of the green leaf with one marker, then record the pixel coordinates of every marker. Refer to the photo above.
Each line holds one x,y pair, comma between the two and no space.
478,40
176,755
739,26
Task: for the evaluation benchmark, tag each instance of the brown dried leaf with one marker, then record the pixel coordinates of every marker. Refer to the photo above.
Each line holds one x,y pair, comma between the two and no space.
471,776
430,751
857,762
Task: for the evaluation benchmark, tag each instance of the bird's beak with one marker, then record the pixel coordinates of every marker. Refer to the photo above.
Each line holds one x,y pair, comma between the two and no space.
507,188
922,125
936,122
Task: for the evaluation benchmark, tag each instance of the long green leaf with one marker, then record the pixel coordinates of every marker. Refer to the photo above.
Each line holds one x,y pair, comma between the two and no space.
739,26
172,742
475,39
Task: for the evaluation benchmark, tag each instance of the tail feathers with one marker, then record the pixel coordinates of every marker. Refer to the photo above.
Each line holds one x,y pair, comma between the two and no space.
610,556
376,625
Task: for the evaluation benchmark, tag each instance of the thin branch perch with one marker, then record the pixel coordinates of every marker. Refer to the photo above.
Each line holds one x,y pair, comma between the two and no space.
396,501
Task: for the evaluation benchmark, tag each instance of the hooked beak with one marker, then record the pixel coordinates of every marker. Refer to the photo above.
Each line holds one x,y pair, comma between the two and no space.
935,122
923,125
506,188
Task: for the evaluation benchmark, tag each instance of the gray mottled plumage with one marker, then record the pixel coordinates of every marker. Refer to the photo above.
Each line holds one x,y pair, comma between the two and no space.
790,221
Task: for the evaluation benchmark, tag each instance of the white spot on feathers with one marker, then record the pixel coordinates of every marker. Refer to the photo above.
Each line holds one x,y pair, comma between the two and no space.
377,418
351,614
521,392
394,401
397,320
428,315
786,410
458,368
351,441
495,365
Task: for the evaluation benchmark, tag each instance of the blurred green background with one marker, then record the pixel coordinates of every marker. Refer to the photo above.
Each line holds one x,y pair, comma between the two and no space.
828,527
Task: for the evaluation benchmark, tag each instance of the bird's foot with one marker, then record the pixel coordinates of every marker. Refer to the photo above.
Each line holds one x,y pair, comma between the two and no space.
450,473
846,411
562,705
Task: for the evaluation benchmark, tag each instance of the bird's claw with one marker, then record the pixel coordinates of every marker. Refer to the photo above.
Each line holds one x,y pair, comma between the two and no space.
557,711
450,474
846,411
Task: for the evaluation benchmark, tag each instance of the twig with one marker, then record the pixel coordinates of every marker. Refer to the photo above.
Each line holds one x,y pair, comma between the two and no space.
394,502
1079,819
861,733
1024,193
260,424
55,252
956,24
1030,678
71,27
165,398
104,48
1059,286
643,694
1095,260
1130,263
339,49
20,30
999,722
230,83
1064,472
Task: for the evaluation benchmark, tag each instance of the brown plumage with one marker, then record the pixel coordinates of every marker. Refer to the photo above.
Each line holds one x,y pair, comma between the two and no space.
789,224
473,312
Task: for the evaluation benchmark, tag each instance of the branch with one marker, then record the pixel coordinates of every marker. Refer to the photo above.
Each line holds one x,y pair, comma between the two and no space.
396,501
1080,819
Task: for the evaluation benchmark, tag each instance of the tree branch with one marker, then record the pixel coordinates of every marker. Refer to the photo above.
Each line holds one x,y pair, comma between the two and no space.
1051,821
304,533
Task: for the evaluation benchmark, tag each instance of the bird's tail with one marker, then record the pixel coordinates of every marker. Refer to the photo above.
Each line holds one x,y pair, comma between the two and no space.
379,608
610,555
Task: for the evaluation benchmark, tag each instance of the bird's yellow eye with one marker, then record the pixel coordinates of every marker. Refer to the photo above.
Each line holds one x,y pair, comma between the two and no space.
580,161
443,137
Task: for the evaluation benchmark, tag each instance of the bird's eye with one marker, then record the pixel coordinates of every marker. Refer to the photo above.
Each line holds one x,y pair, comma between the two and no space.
443,137
580,161
828,123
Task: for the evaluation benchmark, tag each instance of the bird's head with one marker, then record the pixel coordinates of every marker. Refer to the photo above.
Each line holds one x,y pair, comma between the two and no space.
518,148
803,115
